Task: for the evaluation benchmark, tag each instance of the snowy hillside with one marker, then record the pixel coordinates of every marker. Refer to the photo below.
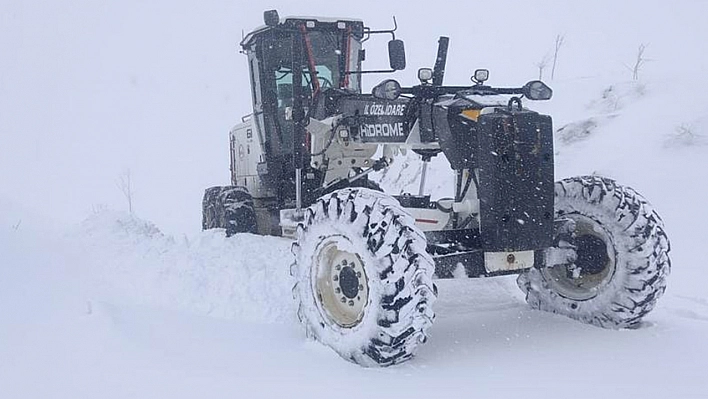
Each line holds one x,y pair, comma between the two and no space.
98,303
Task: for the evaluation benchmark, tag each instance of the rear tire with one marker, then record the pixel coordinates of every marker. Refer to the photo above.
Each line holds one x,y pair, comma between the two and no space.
622,256
363,277
229,208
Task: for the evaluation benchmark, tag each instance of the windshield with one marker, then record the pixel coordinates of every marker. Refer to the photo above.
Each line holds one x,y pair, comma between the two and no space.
284,83
329,56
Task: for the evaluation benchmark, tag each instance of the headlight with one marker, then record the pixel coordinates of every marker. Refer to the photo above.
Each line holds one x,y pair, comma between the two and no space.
387,90
481,75
271,18
537,90
425,74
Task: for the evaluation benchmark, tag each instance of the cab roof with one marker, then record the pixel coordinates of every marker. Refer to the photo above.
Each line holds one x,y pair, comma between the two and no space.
292,23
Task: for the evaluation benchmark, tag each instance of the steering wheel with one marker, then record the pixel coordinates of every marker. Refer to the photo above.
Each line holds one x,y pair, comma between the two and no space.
324,82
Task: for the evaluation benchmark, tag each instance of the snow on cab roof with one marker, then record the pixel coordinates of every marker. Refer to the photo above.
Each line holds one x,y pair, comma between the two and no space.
328,20
320,19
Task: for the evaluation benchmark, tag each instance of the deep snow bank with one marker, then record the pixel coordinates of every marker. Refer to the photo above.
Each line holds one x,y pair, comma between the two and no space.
245,277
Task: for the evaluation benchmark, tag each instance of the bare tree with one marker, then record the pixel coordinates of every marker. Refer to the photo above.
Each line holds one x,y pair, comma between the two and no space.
541,65
685,135
559,43
98,208
125,186
638,62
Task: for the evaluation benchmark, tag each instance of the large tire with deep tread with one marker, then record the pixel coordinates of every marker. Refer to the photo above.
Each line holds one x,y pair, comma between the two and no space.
229,208
395,277
619,282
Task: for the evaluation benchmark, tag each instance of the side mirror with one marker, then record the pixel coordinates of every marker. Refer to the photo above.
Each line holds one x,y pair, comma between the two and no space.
271,18
397,55
537,90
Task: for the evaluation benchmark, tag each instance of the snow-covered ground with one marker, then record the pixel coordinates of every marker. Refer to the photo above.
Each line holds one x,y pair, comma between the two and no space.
115,309
96,303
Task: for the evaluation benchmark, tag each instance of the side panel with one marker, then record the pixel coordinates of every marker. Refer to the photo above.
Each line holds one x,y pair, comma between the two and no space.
246,153
516,181
374,120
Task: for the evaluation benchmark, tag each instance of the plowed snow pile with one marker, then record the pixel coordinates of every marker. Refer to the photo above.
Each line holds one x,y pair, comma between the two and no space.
245,277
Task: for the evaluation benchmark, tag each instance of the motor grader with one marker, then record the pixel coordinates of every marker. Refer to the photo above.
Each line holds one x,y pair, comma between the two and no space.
365,260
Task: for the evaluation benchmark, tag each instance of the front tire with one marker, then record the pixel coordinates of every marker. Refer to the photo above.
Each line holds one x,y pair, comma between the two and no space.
622,256
363,277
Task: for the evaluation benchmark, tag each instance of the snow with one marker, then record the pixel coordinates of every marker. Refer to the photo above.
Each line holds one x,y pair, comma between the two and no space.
207,274
96,303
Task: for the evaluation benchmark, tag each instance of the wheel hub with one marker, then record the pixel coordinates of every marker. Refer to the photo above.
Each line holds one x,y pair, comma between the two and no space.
341,286
594,266
592,254
349,282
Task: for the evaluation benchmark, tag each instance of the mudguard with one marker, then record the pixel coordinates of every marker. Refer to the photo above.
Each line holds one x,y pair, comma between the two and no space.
515,180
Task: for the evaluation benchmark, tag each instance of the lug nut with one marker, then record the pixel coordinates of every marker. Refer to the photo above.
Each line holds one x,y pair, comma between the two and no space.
351,303
336,277
338,268
337,290
361,287
344,262
358,274
344,300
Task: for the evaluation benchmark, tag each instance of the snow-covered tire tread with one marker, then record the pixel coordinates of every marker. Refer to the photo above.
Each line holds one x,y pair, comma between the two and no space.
229,208
642,262
399,271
